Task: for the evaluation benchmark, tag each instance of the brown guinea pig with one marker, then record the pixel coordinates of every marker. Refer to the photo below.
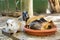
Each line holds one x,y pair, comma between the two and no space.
47,25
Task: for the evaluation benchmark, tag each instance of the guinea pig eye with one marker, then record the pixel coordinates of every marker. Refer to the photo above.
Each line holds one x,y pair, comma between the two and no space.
11,24
49,26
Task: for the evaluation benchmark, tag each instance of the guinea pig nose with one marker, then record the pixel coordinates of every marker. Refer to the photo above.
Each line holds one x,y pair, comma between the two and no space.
9,30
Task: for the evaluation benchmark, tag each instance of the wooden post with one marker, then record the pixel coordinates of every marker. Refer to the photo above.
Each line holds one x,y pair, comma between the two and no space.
27,5
30,8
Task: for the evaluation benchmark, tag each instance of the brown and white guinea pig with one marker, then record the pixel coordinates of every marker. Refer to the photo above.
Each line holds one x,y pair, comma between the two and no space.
14,25
47,25
41,24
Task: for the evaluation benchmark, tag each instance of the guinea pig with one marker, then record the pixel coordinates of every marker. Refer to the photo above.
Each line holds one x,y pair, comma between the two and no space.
41,24
47,25
14,25
35,25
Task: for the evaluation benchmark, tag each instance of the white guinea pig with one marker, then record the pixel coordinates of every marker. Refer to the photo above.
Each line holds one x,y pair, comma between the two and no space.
14,25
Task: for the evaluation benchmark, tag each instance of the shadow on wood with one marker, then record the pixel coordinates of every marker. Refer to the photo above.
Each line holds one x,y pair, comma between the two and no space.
10,35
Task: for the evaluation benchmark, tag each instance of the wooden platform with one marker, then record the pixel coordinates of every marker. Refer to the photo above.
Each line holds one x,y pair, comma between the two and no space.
24,36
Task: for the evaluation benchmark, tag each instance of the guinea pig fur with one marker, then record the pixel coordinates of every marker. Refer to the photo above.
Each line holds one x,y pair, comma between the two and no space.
14,25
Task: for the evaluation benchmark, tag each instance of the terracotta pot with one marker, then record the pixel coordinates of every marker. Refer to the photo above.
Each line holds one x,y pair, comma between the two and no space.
39,32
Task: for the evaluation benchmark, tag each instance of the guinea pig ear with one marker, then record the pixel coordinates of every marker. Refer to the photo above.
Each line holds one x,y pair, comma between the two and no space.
50,21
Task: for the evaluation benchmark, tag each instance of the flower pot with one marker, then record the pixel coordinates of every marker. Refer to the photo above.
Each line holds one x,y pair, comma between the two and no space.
39,32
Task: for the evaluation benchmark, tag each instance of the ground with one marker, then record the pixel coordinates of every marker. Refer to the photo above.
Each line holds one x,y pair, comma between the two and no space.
24,36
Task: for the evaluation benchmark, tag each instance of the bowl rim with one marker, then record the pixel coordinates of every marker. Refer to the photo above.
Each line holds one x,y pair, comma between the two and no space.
49,30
